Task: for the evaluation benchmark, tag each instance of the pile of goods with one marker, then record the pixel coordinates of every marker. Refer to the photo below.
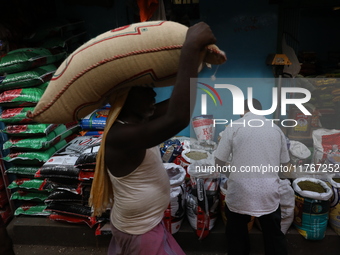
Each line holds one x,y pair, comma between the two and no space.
51,149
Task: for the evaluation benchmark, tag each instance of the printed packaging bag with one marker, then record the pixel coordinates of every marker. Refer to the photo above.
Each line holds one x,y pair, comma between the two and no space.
326,146
174,214
204,127
311,207
202,199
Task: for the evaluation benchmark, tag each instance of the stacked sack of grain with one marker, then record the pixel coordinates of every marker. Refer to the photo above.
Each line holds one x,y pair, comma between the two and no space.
26,73
69,173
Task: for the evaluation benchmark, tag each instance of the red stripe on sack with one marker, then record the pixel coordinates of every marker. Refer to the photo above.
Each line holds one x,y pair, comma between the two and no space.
149,72
31,115
138,32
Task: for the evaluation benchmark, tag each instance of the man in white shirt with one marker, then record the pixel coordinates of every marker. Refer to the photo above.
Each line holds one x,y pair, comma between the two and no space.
258,148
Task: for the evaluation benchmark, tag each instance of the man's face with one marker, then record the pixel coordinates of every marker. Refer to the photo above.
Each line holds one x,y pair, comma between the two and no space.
142,100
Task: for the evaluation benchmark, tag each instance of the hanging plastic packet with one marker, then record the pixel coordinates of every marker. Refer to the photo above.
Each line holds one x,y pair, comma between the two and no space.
174,214
202,198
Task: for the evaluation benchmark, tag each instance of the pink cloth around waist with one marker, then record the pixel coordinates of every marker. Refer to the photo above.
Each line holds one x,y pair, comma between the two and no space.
157,241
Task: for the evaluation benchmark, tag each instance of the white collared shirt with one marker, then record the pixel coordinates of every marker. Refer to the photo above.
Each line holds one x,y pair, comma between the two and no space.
257,153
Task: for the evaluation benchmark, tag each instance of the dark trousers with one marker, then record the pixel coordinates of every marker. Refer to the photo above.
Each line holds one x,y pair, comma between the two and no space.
238,237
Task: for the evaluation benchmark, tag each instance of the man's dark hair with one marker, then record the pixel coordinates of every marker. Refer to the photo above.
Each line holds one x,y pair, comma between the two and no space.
256,103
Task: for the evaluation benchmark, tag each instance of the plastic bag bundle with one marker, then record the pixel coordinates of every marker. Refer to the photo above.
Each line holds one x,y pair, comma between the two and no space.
174,214
311,207
37,189
30,195
202,198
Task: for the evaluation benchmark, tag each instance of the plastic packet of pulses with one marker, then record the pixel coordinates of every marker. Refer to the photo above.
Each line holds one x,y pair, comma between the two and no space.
29,195
64,196
35,129
34,157
29,78
79,145
29,208
26,183
70,209
16,115
27,130
87,159
40,143
27,171
62,163
27,58
75,187
20,97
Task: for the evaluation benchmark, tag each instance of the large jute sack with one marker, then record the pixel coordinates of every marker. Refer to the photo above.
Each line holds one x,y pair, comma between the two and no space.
140,54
